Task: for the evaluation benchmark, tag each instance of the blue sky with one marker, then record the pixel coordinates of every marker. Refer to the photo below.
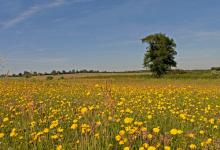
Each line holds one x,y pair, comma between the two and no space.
42,35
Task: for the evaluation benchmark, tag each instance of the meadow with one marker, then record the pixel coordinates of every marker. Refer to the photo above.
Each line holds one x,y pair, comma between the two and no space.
107,112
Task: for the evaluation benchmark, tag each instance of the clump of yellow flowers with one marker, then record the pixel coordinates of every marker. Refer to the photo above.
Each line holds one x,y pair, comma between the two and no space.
91,114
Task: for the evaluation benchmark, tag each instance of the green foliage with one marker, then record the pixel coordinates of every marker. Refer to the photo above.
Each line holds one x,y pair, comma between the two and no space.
215,68
49,77
27,74
159,57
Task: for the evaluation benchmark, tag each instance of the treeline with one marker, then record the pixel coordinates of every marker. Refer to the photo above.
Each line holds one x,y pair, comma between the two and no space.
54,72
215,68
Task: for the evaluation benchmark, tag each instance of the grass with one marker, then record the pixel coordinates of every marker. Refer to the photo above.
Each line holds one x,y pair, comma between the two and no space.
110,111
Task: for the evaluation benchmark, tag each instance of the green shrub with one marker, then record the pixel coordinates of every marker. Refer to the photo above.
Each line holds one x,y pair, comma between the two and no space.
49,78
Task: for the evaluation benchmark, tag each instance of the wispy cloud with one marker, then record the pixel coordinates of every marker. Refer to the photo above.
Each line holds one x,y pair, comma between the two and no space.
34,10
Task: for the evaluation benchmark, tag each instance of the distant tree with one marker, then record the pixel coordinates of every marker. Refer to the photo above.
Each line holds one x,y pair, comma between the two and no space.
49,78
159,57
215,68
73,71
54,72
20,74
35,73
27,74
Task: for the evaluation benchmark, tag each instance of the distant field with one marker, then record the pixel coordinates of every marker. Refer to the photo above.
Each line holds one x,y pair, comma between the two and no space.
110,111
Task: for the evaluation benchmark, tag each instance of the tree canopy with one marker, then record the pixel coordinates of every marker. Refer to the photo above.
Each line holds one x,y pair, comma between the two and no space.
159,57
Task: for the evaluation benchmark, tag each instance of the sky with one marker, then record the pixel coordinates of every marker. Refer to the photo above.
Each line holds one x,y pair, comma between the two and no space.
43,35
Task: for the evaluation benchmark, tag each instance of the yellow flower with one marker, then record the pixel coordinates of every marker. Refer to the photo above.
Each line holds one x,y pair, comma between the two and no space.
191,135
60,130
128,120
1,135
143,129
150,136
125,140
215,127
202,144
209,141
97,135
54,124
5,119
126,148
33,123
118,138
151,148
179,131
183,116
192,146
121,142
156,130
122,132
98,123
149,117
75,121
46,130
54,137
201,132
13,133
84,110
173,131
141,148
74,126
145,145
59,147
167,148
212,120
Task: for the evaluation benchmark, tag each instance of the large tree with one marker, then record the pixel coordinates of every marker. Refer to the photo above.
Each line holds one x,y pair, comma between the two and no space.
159,57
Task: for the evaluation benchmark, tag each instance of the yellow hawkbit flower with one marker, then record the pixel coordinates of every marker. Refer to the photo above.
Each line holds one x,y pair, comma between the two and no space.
5,119
150,136
59,147
192,146
191,135
145,145
121,142
118,138
122,132
126,148
156,130
46,130
212,120
151,148
141,148
74,126
54,137
143,129
13,133
173,131
98,123
97,135
209,141
60,130
1,135
84,110
149,117
167,148
54,124
201,132
128,120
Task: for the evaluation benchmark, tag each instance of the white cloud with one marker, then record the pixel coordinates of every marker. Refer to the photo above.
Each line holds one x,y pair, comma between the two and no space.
34,10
